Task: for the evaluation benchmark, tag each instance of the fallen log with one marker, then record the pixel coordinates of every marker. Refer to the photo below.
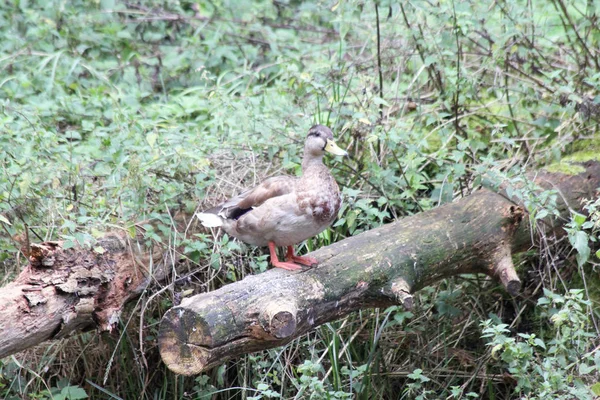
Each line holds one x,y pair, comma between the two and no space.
63,291
378,268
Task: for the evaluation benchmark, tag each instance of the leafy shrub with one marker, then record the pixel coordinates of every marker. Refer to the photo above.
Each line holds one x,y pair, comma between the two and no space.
561,364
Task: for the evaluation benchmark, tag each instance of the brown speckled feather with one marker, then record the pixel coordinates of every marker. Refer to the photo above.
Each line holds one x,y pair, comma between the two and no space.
323,201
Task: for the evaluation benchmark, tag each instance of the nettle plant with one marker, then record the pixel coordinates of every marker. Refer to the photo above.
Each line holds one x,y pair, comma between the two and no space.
559,364
583,231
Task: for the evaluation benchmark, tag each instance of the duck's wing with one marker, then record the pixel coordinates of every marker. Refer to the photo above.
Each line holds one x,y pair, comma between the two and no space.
246,201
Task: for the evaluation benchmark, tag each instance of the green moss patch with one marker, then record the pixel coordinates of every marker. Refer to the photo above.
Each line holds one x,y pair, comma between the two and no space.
565,167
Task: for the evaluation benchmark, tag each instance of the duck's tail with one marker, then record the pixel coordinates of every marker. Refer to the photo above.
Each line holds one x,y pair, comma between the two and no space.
210,220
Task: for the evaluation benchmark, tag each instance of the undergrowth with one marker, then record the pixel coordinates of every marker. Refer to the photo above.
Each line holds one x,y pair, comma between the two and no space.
114,113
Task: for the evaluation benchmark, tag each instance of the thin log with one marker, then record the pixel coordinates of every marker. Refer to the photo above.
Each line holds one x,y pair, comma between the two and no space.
378,268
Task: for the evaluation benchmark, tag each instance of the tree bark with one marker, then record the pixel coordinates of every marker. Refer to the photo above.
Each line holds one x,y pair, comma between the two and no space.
378,268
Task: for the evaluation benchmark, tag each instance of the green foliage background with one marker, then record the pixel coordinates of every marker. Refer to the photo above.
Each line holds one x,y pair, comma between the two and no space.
114,113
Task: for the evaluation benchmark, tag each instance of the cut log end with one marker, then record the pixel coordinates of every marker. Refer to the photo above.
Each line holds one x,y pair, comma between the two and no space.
503,269
283,324
510,280
183,340
513,287
279,319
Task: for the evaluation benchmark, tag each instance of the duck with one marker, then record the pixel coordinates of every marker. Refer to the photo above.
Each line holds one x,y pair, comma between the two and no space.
283,211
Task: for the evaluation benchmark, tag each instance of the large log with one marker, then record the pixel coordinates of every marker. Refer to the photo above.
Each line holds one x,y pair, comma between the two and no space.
381,267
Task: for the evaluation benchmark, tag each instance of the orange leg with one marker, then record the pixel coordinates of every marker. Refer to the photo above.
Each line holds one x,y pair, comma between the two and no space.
290,266
308,261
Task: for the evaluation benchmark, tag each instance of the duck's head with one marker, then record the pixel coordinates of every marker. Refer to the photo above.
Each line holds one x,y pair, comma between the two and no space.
320,140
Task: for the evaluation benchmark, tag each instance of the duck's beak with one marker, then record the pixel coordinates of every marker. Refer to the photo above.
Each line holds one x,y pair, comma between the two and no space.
333,148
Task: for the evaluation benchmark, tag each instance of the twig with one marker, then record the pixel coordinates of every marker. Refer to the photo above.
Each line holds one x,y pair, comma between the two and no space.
432,75
458,55
575,30
379,63
406,180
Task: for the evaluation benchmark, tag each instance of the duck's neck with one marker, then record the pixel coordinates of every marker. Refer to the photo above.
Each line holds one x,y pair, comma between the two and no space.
311,161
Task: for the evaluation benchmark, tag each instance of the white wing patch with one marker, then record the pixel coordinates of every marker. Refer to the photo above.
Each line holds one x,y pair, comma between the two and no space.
210,220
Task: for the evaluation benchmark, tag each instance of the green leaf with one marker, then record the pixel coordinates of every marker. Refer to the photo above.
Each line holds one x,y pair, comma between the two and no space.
579,219
151,139
351,218
74,393
542,301
579,240
99,249
107,5
131,231
596,388
25,183
399,317
221,375
585,369
4,219
496,349
541,214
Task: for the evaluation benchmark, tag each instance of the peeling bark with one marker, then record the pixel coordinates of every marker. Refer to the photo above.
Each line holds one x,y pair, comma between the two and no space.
64,291
381,267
